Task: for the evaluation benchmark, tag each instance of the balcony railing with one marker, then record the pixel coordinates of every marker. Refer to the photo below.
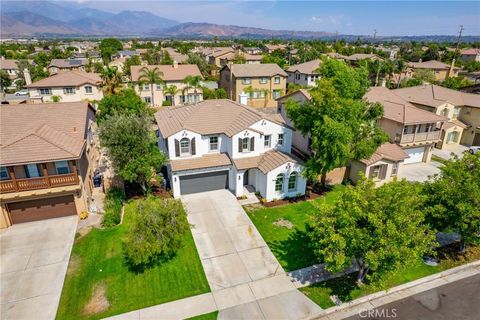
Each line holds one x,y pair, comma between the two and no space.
420,137
17,185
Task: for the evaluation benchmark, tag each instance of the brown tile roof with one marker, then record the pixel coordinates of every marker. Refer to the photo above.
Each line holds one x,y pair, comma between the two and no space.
248,57
361,56
43,132
432,64
68,78
266,162
308,67
455,122
256,70
434,96
218,52
470,51
387,151
8,64
170,73
398,109
209,117
205,161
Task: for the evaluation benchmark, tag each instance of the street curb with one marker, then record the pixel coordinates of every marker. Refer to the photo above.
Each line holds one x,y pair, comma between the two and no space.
399,292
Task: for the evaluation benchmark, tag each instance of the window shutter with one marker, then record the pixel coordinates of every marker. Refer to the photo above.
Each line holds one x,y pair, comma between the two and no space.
177,148
252,143
383,172
193,146
239,144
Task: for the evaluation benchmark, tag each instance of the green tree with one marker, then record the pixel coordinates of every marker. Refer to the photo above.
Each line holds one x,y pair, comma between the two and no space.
132,147
456,82
150,76
453,198
425,75
125,102
5,80
342,125
193,83
171,91
56,99
220,93
166,58
157,231
377,229
132,61
239,58
108,47
277,56
111,80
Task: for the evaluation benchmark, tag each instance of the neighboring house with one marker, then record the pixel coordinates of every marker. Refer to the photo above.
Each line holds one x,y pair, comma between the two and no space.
118,63
176,56
61,65
472,54
124,54
261,83
305,74
391,52
440,69
220,144
252,50
47,158
231,56
172,75
269,48
217,54
70,86
10,67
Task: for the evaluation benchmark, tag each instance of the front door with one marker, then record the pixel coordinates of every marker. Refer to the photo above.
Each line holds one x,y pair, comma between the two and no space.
476,139
245,178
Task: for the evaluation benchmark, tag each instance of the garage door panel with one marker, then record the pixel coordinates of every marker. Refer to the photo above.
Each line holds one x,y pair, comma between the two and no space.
203,182
40,209
415,155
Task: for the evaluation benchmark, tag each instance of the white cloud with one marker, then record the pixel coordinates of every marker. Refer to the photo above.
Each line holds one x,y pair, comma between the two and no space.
332,20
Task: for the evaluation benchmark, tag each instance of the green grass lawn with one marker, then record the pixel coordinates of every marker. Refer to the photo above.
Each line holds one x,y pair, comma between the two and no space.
206,316
97,261
290,246
346,289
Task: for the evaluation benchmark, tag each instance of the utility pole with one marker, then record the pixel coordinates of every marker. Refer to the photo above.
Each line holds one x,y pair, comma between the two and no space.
374,34
450,71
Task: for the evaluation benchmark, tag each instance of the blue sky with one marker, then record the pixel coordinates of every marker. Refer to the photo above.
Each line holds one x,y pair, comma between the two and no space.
346,17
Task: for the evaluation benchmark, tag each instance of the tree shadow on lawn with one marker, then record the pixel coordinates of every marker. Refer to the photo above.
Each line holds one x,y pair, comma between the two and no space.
152,263
342,287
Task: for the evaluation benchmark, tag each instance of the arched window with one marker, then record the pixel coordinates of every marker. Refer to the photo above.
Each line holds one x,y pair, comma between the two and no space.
279,182
292,181
185,146
445,112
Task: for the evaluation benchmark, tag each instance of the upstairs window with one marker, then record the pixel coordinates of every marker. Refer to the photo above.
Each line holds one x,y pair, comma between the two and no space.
267,142
246,81
279,182
147,99
245,144
280,139
88,89
276,80
4,173
214,143
292,181
184,146
263,80
394,168
444,112
62,167
68,90
45,91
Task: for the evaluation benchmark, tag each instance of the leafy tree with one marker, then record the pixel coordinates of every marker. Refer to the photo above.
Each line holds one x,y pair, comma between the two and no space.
378,229
239,58
412,82
171,90
192,82
205,68
431,53
277,56
456,82
453,198
5,80
342,125
472,66
112,80
132,61
425,75
220,93
56,99
157,232
108,47
126,102
166,58
151,77
132,147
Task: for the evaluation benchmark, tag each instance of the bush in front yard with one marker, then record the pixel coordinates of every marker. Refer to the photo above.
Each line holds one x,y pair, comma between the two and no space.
113,207
157,231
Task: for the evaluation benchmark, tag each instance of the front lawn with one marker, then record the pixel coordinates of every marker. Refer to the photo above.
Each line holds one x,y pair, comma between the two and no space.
99,283
346,289
206,316
284,230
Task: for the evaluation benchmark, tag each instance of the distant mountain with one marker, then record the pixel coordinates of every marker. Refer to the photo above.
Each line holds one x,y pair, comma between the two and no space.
141,21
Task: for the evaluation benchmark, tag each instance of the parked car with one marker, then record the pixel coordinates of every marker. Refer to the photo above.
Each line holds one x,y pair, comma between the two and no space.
22,92
474,149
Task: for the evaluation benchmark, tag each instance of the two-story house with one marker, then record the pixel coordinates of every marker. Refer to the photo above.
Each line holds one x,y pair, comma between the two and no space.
47,158
220,144
262,83
69,86
10,66
440,69
471,54
172,75
304,74
62,65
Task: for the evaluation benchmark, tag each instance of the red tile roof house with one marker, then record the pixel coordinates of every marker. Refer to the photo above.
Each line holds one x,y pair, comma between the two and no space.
46,162
472,54
220,144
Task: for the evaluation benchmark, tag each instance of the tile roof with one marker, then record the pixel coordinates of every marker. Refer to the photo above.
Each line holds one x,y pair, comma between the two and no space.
210,117
470,51
304,92
8,64
205,161
170,73
68,78
398,109
266,162
432,64
387,151
43,132
453,123
68,63
256,70
361,56
308,67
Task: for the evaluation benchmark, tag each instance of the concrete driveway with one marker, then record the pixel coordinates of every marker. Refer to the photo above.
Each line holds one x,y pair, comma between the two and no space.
419,171
246,279
33,262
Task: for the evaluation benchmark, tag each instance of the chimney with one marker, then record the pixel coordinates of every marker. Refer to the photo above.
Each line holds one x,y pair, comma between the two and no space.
175,64
420,60
26,74
3,58
243,98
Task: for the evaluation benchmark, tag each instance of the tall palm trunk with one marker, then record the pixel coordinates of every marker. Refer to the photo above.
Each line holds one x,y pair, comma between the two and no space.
151,91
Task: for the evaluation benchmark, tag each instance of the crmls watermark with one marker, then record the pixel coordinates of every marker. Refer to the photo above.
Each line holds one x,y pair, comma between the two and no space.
378,314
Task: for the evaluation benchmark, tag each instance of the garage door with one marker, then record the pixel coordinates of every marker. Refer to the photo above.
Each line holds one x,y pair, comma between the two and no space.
204,182
415,155
33,210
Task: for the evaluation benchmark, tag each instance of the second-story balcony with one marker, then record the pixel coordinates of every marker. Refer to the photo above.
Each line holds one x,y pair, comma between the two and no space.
430,136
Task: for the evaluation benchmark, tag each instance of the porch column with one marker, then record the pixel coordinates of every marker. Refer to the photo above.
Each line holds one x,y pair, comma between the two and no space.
74,169
45,174
11,172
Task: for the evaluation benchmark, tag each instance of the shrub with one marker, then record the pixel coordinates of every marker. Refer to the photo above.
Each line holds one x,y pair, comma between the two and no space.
157,231
113,207
166,103
83,215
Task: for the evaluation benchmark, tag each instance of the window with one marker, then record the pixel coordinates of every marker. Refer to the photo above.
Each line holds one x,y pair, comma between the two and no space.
147,99
62,167
32,171
375,172
263,80
306,77
405,130
444,112
246,81
146,87
90,135
428,127
456,111
280,139
297,76
276,94
468,110
159,87
68,90
267,142
214,143
279,182
292,181
45,91
4,173
452,137
184,146
276,80
394,168
245,144
88,89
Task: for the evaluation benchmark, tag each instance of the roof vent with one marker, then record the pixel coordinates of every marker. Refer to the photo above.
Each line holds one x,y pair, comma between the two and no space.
74,129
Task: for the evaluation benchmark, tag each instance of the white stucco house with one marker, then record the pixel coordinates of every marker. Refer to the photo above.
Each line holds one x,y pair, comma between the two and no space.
220,144
305,74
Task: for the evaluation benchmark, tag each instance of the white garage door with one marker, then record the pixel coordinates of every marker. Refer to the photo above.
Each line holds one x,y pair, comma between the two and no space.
415,155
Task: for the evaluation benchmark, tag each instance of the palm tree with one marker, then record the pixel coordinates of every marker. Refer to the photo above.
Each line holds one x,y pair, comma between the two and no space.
150,76
112,80
171,91
192,82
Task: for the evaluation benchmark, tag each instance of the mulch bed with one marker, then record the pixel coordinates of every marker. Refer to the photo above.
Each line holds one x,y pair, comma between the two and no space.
134,191
313,192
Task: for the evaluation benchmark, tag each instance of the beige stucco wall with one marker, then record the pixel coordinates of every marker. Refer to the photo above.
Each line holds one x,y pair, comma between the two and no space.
392,128
471,116
159,97
356,167
441,74
79,95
